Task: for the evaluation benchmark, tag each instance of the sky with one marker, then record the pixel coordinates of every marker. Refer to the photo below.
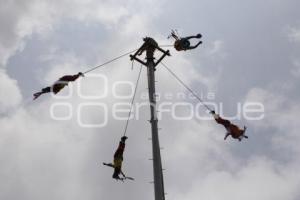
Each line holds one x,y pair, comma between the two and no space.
250,53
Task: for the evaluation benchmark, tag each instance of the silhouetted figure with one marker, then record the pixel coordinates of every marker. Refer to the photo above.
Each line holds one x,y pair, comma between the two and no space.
184,43
118,159
150,43
232,129
58,85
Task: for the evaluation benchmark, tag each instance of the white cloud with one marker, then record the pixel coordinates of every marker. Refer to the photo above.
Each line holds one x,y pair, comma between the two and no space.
294,34
280,116
258,179
20,20
296,70
10,95
217,47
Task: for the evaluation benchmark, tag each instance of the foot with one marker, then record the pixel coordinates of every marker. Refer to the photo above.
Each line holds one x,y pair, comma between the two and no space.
200,42
199,36
245,136
116,176
212,112
36,95
124,138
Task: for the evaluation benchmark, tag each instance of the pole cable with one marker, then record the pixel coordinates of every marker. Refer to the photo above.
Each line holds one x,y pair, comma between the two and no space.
185,85
132,100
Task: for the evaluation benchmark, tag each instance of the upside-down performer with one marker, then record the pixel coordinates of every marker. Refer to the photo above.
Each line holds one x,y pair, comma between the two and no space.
232,129
58,85
184,43
118,159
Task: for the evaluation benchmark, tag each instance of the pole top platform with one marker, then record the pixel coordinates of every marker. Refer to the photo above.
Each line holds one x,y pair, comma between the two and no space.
150,45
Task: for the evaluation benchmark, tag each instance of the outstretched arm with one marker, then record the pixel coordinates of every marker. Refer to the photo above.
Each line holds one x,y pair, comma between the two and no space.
109,165
196,36
194,47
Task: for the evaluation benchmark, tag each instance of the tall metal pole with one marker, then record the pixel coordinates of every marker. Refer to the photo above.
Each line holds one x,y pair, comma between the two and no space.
150,45
157,166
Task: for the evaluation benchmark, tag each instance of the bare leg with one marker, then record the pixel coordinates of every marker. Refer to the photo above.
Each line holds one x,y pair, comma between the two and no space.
200,42
196,36
44,90
36,95
123,174
194,47
116,174
245,136
226,136
109,165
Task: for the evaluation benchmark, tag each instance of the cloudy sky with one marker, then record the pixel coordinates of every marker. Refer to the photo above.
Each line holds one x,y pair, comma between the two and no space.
250,53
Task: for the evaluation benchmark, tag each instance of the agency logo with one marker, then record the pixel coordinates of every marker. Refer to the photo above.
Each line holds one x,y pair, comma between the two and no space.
179,106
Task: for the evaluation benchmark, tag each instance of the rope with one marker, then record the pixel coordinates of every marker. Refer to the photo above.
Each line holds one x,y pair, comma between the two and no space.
189,89
132,63
114,59
167,45
132,100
